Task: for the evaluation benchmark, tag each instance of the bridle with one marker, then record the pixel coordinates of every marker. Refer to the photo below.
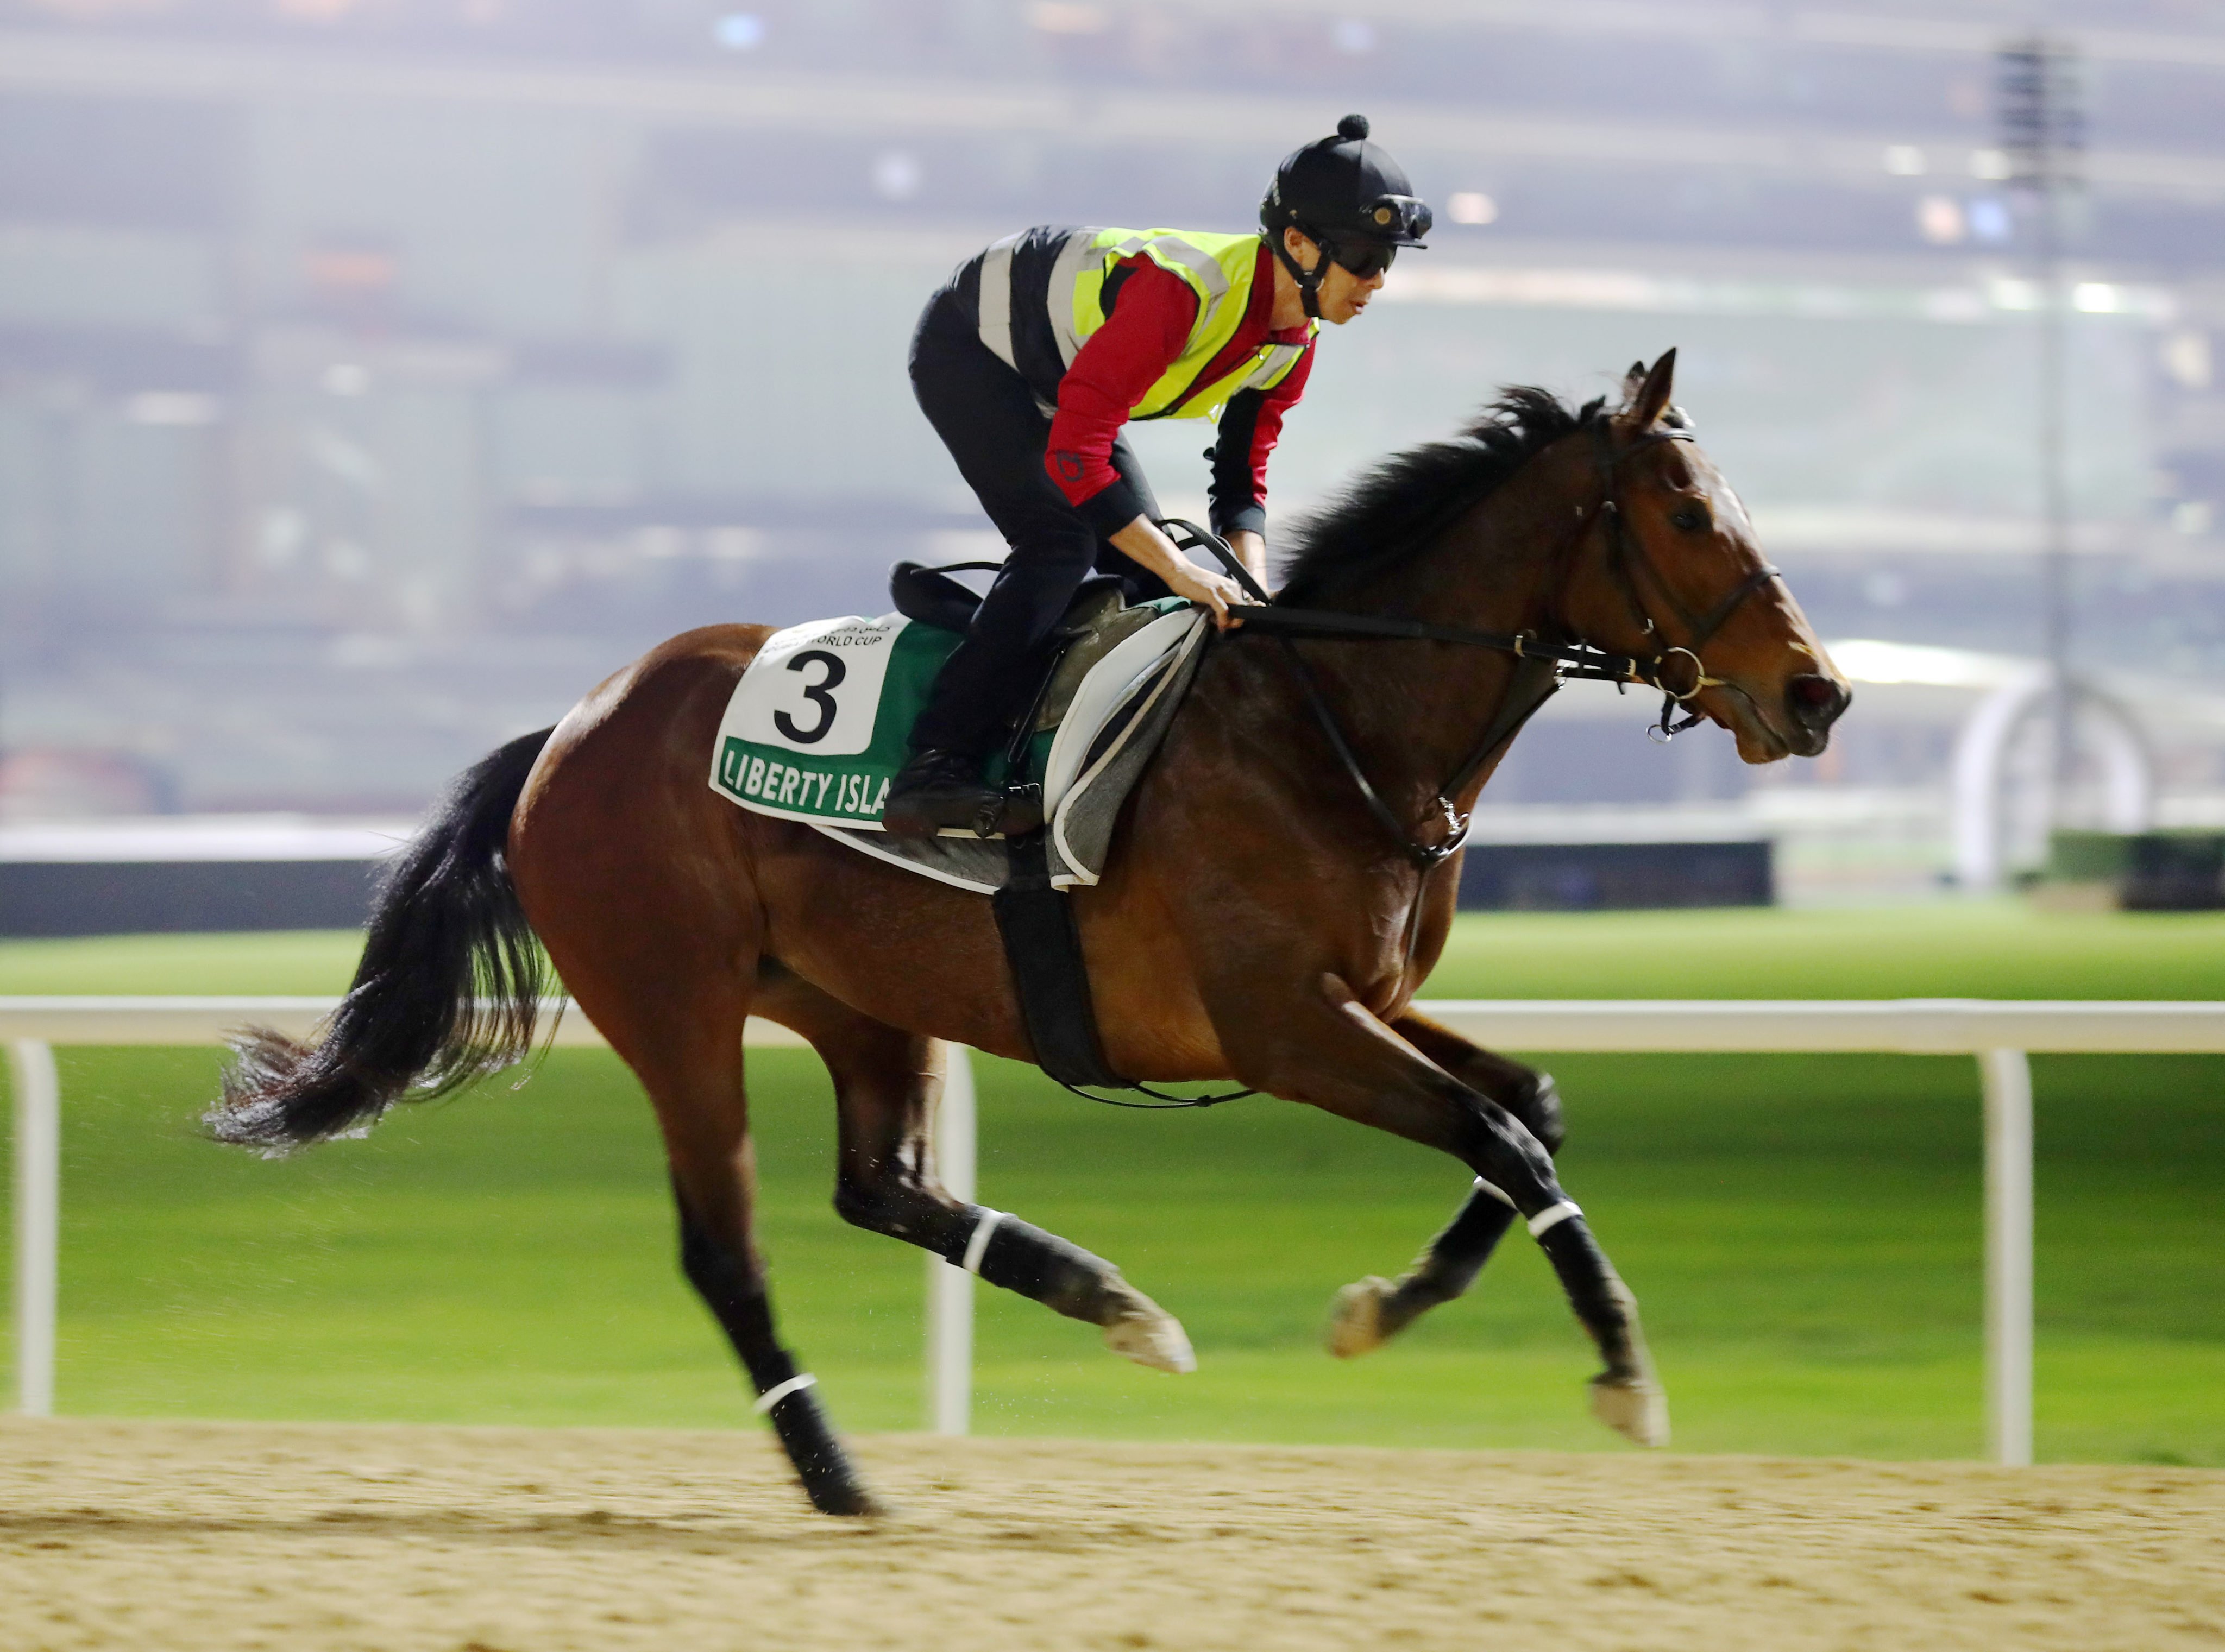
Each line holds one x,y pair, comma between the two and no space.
1627,559
1627,565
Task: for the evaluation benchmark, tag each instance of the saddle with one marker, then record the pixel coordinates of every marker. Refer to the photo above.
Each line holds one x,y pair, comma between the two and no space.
1096,621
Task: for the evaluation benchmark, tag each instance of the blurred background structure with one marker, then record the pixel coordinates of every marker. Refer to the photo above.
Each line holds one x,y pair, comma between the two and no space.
376,375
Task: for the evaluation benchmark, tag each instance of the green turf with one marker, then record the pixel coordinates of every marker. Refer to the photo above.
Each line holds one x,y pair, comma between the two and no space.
1802,1232
1971,949
302,961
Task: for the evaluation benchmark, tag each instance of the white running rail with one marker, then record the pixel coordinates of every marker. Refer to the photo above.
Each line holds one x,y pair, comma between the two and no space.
1998,1032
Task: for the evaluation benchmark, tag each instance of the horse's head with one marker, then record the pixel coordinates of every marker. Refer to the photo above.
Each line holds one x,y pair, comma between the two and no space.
1672,573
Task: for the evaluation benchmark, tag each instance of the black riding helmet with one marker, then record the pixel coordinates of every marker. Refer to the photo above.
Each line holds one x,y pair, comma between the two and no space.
1351,198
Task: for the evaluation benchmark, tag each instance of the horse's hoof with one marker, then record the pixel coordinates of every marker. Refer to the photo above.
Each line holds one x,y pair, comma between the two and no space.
1355,1318
840,1495
1634,1407
1150,1335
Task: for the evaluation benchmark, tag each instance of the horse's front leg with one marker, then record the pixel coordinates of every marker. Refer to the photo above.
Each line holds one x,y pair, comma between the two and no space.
1368,1313
1332,1053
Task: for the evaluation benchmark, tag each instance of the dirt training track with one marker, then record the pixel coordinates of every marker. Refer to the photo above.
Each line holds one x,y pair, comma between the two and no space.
189,1536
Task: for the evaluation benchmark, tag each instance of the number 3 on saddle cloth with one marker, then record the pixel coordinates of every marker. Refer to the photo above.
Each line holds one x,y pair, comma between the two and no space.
818,726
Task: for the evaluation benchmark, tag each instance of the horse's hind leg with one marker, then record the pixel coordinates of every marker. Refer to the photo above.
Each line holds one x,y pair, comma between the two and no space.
1368,1313
886,1084
691,1064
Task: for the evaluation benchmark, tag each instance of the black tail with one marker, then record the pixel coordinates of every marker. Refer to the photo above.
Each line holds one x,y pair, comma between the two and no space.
449,986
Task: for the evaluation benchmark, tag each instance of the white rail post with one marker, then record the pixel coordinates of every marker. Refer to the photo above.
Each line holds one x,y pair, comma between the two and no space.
38,1213
949,1288
2006,1076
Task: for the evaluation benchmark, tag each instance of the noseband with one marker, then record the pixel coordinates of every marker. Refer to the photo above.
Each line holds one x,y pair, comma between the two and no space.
1627,565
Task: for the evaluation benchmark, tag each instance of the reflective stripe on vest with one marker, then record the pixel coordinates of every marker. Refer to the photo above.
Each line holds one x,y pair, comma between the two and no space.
1275,361
1065,276
997,300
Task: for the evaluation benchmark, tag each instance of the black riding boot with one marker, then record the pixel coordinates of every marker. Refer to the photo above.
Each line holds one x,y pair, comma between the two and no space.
941,788
981,693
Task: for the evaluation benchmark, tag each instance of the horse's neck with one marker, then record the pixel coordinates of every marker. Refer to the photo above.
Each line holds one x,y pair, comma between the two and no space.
1418,712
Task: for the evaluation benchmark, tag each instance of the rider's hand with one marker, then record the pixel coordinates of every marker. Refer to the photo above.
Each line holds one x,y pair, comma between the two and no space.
1207,589
1142,541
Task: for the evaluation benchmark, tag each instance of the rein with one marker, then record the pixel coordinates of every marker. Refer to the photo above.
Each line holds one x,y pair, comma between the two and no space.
1564,660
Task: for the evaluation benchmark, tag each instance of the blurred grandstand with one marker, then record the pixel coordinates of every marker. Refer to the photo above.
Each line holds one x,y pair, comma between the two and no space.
375,375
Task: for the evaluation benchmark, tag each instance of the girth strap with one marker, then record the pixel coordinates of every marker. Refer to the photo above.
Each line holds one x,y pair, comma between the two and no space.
1043,948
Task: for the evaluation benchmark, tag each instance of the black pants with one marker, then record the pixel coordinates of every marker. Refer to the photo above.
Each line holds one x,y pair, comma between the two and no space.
987,416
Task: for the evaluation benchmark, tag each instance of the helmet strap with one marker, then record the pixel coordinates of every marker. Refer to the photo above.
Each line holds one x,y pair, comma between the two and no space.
1308,281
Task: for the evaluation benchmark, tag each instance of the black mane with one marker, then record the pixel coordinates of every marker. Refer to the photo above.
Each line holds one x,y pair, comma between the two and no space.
1391,511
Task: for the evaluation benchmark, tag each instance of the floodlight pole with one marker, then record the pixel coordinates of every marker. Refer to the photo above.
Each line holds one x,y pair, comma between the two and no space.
2042,132
2054,490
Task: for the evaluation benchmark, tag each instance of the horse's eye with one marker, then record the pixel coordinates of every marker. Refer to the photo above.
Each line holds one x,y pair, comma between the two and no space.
1690,518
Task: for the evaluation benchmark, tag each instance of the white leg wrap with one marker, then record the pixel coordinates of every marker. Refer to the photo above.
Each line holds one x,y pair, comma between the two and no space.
779,1391
978,1245
1495,1191
1552,1216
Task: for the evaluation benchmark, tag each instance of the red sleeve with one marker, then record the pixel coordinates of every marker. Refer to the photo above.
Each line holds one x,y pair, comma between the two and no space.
1268,429
1150,322
1250,426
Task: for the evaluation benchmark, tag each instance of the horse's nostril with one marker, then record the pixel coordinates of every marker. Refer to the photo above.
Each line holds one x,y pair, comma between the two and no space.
1816,700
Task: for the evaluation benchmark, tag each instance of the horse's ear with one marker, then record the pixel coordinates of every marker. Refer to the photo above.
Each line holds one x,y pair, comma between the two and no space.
1632,380
1651,399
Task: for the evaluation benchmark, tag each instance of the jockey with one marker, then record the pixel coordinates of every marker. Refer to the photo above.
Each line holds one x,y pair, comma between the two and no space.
1036,353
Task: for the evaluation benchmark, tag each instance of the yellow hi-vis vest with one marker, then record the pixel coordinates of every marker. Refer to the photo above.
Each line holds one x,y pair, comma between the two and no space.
1218,269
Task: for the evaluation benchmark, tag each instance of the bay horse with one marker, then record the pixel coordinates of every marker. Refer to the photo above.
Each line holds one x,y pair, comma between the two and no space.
1259,921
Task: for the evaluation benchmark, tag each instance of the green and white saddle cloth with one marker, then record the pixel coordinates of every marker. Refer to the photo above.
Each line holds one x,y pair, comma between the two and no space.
821,722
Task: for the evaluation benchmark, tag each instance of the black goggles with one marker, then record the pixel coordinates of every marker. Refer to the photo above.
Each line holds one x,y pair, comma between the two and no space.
1403,221
1365,259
